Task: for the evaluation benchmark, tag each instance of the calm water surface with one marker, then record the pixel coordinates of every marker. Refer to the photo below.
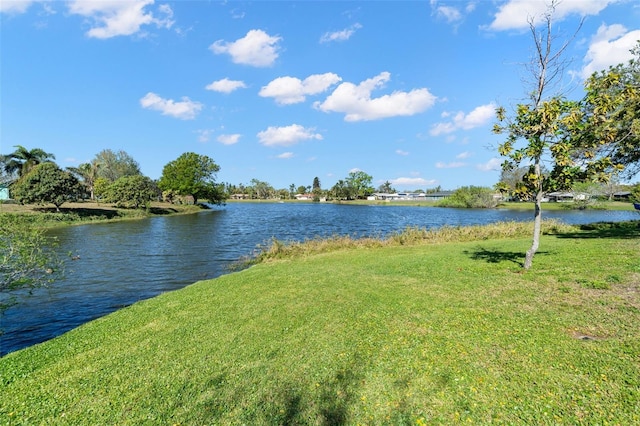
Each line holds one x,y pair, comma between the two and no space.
122,263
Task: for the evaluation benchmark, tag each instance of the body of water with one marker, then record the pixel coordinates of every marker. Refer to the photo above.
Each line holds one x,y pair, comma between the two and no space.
124,262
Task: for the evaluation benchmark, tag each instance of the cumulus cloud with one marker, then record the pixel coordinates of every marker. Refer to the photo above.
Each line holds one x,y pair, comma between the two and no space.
356,103
15,6
476,118
610,45
229,139
452,165
340,35
464,155
412,182
226,86
515,14
490,166
117,18
257,49
291,90
184,110
287,135
286,155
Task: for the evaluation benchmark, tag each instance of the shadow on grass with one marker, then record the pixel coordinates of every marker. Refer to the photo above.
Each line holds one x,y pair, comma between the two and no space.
621,230
290,405
82,212
496,256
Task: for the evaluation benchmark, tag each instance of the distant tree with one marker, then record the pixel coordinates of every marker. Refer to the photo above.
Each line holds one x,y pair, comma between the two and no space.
262,190
471,197
22,161
359,184
131,192
114,165
100,188
88,173
386,188
316,190
46,183
340,190
292,190
301,189
192,174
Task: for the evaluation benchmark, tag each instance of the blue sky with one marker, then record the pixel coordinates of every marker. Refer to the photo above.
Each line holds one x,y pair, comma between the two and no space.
285,91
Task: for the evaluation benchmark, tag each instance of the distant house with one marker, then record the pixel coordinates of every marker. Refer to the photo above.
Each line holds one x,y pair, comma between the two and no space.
567,196
437,196
622,195
4,192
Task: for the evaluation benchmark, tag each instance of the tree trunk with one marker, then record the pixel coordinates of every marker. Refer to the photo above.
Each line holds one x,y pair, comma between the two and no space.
537,222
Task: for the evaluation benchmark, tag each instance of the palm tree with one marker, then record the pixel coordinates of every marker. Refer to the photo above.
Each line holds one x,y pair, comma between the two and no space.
88,172
22,160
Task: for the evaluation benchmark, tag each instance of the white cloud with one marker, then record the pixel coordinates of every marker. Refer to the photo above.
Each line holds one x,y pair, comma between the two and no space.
204,135
340,35
15,6
229,139
401,152
291,90
464,155
226,86
453,165
287,135
611,45
449,13
490,166
257,49
286,155
412,182
357,105
115,18
184,110
476,118
515,14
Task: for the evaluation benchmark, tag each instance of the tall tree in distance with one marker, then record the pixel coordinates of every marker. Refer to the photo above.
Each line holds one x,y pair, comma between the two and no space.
114,165
194,175
88,172
22,160
359,184
316,189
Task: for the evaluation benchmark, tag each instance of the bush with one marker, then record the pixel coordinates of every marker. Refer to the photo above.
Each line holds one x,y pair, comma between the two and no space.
471,197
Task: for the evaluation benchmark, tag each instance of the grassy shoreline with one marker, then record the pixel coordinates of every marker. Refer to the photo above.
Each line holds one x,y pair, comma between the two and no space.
423,332
80,213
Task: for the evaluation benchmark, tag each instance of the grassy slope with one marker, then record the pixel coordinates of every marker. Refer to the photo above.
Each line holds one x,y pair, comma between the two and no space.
391,335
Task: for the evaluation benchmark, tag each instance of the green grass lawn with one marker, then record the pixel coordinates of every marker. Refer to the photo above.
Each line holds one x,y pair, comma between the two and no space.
438,333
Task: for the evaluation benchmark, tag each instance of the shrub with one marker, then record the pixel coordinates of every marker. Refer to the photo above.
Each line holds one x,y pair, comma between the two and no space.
471,197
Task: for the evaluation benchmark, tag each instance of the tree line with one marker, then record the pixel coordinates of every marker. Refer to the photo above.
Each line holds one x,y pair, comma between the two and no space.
110,177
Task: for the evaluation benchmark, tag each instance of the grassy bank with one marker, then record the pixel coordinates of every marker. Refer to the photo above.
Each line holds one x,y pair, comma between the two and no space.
418,332
89,212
